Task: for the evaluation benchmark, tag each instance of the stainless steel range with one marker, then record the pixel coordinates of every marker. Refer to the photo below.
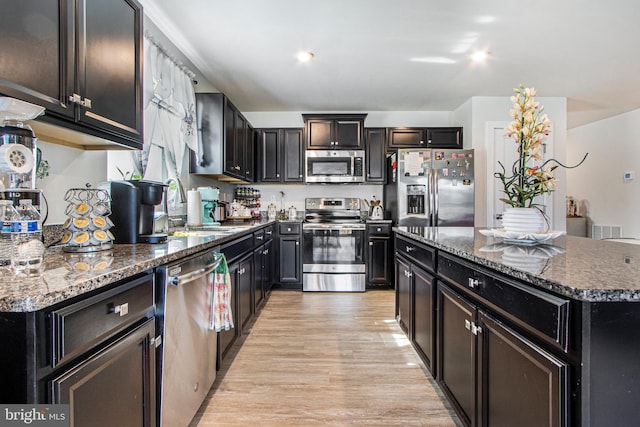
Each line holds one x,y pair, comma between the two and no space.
333,240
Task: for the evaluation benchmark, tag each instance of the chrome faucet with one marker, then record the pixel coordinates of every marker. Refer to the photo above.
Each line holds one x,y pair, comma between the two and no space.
182,198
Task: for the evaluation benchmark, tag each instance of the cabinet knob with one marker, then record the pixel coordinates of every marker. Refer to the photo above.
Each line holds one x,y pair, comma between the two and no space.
332,143
421,142
247,173
277,175
473,283
410,248
75,98
467,324
379,229
237,168
297,243
429,142
121,310
86,103
259,237
475,329
300,176
370,243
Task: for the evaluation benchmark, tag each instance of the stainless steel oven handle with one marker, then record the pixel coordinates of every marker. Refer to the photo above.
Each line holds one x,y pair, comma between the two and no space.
194,275
316,226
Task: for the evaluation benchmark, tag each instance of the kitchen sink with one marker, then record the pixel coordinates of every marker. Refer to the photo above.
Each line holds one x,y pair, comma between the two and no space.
212,231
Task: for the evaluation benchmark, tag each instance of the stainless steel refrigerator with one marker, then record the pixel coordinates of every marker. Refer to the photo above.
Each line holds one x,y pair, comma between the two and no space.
433,187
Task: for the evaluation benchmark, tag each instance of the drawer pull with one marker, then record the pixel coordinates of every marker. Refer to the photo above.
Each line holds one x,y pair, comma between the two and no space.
259,237
410,248
473,283
122,309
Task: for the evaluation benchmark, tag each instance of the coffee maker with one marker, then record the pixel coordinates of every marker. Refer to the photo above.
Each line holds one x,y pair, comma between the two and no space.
209,197
132,210
19,155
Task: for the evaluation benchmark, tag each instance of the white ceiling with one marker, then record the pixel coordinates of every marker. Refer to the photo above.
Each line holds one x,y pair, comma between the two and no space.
585,50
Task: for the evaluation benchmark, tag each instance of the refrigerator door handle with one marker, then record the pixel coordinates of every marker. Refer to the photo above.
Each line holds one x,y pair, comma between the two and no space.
435,197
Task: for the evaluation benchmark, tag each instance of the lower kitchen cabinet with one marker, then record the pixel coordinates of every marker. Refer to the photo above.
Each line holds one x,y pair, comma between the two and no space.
423,308
289,253
457,352
379,252
519,383
243,270
403,296
114,386
263,257
493,375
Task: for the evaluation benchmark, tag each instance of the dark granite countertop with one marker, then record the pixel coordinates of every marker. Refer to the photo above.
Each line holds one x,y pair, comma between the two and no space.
67,275
576,267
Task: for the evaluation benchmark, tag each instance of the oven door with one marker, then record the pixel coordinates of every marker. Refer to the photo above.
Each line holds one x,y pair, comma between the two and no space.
333,257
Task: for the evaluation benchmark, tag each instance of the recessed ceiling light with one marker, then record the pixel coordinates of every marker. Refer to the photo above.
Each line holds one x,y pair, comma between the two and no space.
305,56
480,56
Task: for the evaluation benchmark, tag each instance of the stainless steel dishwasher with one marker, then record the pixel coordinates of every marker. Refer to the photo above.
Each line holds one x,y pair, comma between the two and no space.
187,367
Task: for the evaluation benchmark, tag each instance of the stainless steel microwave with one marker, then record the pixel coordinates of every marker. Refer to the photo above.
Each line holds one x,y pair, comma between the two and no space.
334,166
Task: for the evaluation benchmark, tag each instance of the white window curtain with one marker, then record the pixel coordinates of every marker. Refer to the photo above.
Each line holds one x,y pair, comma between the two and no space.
169,114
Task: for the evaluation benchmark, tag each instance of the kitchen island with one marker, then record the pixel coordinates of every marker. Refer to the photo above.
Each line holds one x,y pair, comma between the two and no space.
542,334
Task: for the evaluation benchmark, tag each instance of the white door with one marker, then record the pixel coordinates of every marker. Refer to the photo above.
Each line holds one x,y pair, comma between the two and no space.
504,150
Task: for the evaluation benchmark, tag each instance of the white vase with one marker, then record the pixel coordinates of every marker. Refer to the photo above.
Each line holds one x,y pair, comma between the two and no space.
524,220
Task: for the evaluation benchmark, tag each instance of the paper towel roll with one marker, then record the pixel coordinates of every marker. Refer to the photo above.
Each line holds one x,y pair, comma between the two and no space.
15,158
194,208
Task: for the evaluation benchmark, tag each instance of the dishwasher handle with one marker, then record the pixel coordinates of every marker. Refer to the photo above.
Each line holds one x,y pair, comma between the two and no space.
196,274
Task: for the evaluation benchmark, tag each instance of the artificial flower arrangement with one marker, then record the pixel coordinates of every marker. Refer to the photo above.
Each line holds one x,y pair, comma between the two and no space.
529,129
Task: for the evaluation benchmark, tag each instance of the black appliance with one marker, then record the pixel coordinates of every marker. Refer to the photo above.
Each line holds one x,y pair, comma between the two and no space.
132,210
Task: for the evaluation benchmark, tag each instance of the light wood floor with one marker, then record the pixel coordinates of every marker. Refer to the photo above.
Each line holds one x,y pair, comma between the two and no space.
325,359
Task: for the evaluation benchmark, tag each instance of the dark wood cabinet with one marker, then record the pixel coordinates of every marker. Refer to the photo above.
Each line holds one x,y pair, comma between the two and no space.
424,304
482,362
289,253
404,296
457,352
431,137
226,139
416,300
519,383
375,143
114,386
228,337
334,131
379,254
263,257
244,277
238,144
281,155
83,64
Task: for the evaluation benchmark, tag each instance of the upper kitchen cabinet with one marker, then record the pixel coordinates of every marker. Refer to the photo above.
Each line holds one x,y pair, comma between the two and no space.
280,155
226,140
375,142
433,137
334,131
82,61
